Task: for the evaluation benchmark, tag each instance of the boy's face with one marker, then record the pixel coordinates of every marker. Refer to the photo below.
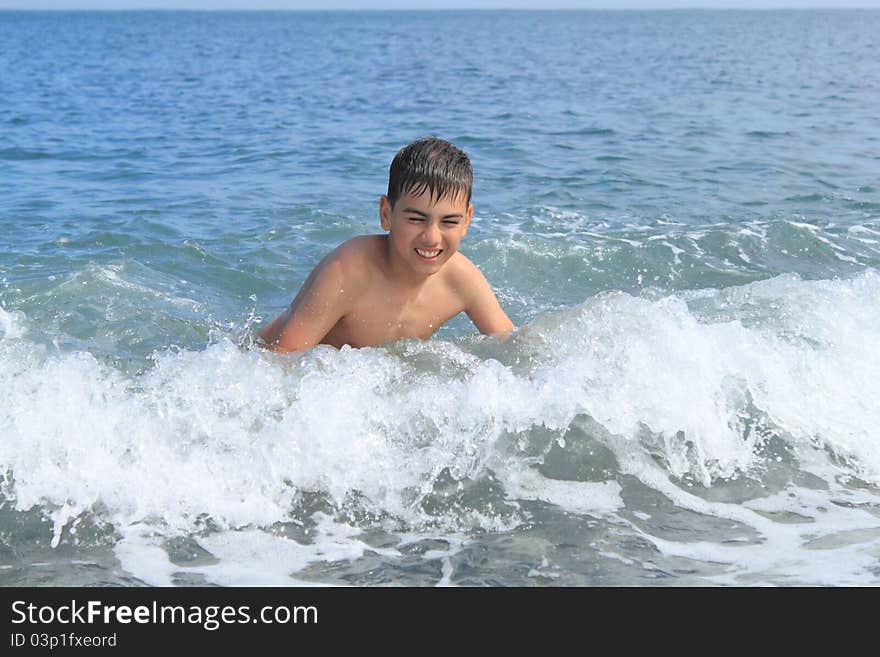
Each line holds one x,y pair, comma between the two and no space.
425,231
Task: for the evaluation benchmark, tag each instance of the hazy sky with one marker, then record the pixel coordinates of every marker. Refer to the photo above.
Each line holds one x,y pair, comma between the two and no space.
427,4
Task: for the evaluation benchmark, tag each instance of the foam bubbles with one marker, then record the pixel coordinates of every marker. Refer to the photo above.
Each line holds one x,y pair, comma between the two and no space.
691,388
11,324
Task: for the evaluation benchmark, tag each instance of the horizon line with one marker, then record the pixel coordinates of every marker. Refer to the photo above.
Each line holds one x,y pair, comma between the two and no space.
426,9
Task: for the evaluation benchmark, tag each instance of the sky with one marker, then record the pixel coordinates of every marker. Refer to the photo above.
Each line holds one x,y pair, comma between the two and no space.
431,4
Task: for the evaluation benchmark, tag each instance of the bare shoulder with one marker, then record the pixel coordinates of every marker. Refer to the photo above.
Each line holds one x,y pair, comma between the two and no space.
356,251
460,267
354,260
327,295
477,296
464,278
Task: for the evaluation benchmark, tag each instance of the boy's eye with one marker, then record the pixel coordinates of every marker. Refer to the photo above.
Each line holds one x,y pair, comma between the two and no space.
416,219
451,222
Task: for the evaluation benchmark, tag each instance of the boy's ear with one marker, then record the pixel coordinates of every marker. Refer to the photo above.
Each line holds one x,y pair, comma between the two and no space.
385,213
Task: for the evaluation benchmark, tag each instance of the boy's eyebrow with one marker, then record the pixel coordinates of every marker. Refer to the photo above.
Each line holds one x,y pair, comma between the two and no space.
446,216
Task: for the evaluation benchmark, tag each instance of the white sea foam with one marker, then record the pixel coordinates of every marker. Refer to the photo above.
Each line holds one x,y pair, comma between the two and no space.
11,324
583,497
810,365
230,439
244,558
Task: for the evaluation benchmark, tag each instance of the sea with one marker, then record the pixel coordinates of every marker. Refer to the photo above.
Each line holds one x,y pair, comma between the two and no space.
679,210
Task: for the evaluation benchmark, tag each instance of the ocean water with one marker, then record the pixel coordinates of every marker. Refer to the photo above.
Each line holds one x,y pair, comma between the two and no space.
679,210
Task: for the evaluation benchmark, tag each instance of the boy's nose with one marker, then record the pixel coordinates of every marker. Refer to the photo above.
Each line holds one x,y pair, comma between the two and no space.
431,235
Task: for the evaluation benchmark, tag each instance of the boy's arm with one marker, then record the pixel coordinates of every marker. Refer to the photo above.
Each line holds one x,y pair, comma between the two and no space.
481,305
318,306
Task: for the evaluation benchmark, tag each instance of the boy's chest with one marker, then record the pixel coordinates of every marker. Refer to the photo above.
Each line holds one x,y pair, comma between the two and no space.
381,317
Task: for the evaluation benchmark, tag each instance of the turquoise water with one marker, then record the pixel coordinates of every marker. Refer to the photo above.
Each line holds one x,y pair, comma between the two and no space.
680,210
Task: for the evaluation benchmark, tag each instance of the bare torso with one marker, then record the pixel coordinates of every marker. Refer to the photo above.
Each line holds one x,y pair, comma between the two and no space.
383,310
361,296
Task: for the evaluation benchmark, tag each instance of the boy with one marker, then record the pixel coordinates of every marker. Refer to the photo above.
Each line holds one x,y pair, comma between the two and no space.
379,288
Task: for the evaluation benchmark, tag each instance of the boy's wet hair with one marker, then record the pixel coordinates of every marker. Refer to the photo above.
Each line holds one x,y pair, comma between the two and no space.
430,164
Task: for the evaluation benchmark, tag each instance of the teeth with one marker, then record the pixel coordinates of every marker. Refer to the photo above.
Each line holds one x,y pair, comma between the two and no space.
427,254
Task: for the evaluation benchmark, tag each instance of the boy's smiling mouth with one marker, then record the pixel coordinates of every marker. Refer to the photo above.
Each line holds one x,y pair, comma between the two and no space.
425,254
